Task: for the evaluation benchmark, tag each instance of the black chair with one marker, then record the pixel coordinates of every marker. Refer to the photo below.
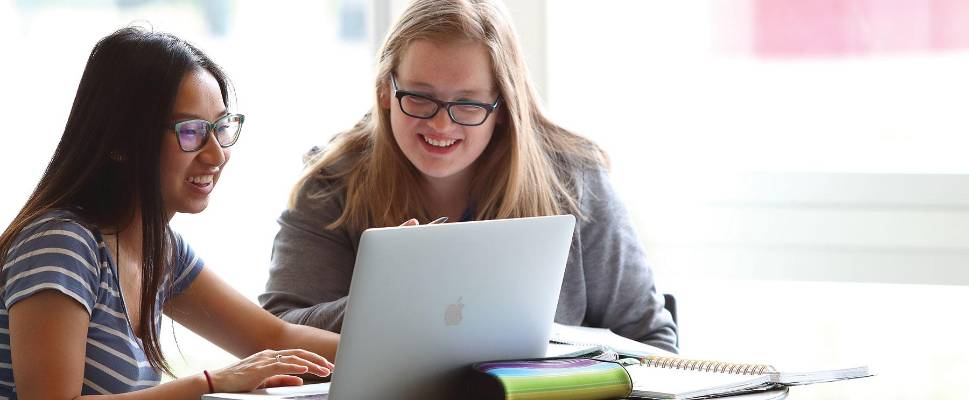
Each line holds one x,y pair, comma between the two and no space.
670,305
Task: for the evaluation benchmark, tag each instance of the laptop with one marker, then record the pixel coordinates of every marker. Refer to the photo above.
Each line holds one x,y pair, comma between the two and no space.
427,301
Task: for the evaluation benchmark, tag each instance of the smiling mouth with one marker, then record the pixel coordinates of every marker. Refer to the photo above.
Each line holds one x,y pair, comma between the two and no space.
440,143
201,180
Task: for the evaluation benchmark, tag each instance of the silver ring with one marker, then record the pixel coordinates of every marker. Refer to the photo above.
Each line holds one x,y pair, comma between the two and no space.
277,357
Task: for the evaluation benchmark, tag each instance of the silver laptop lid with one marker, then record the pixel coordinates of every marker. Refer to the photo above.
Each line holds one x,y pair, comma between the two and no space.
425,302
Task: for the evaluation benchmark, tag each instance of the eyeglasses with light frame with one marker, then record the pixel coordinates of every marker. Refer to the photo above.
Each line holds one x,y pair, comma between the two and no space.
193,134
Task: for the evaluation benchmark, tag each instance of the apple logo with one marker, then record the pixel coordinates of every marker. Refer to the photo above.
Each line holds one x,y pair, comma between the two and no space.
452,314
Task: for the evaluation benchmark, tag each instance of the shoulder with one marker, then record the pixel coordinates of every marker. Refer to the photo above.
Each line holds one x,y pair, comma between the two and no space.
184,252
593,175
186,265
179,245
334,159
579,163
326,185
598,200
591,182
55,251
318,193
57,229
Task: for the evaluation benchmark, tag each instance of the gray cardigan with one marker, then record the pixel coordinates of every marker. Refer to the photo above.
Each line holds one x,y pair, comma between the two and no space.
607,281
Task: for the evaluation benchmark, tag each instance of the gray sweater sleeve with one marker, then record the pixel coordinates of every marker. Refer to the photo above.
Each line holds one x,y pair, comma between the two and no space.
608,283
311,265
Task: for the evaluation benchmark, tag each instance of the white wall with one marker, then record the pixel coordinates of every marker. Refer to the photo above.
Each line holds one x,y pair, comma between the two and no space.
892,228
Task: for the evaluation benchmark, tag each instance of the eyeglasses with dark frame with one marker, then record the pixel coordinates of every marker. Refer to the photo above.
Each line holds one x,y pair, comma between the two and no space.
193,134
462,112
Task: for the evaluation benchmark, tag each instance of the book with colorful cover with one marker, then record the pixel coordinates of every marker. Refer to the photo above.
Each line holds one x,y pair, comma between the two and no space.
550,379
620,368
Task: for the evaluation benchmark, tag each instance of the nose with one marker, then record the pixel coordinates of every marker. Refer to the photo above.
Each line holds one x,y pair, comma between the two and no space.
212,153
440,121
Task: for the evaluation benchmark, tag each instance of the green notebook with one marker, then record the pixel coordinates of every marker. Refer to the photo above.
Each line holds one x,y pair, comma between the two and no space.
549,379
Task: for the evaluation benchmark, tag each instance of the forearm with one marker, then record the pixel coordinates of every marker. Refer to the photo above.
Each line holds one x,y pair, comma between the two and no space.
311,266
665,340
189,387
629,305
325,315
648,322
319,341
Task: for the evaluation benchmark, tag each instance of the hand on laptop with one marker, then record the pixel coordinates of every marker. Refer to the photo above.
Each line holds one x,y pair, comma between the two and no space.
269,368
410,222
415,222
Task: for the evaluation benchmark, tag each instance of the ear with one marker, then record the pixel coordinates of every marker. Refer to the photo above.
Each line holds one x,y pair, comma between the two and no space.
501,116
383,96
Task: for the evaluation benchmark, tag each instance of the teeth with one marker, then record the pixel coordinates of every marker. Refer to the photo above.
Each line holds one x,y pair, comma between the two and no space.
439,143
200,180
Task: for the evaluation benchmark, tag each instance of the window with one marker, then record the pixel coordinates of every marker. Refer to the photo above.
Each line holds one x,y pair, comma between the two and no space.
796,170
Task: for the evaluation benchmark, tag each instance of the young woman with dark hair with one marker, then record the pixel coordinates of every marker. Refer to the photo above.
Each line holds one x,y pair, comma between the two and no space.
90,263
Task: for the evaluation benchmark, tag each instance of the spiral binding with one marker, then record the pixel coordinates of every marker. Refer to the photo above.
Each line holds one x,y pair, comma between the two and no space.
707,365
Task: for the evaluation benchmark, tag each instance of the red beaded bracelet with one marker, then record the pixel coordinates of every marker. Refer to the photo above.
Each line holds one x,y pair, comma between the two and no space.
209,380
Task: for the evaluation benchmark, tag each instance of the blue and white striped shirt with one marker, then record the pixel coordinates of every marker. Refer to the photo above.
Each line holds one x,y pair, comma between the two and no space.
57,252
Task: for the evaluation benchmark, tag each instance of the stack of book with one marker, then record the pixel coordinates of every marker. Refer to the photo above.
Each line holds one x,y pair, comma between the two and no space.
591,363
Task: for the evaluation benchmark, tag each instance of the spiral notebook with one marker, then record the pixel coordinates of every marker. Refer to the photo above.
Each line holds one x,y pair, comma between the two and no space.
665,377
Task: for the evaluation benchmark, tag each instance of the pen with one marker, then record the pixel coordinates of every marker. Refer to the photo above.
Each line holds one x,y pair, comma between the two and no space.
438,221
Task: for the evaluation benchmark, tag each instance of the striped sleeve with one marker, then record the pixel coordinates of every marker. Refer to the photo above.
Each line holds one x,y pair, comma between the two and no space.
53,254
187,265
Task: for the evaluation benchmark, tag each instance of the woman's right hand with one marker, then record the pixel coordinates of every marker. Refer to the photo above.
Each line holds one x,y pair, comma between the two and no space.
269,368
414,222
410,222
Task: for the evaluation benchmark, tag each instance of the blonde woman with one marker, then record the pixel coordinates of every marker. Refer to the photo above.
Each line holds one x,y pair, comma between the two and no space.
457,131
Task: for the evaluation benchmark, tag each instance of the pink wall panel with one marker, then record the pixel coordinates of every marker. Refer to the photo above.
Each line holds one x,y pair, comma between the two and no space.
832,28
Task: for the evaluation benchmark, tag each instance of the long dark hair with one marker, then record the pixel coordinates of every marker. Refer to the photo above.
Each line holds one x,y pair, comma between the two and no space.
107,164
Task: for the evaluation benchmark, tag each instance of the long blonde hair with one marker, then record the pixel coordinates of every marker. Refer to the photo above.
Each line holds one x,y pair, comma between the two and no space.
527,169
